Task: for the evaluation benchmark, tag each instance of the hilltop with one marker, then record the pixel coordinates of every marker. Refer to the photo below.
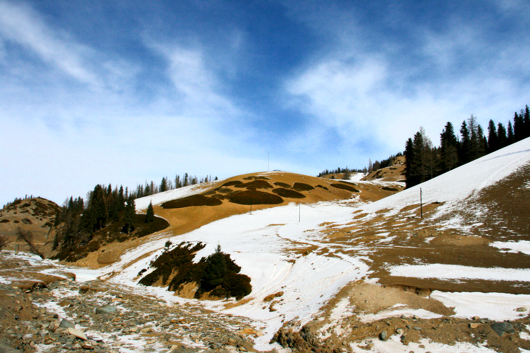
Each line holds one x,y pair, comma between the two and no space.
35,214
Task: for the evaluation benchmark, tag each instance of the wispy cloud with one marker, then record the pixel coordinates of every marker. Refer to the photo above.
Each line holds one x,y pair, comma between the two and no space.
385,93
21,25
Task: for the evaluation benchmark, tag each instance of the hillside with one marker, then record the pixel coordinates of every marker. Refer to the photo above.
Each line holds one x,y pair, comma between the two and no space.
32,214
345,270
205,203
395,172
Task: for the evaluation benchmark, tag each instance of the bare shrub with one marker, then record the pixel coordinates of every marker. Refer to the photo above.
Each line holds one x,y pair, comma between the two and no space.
3,242
27,236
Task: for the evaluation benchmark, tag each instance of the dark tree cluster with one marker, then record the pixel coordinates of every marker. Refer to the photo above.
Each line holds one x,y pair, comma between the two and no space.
77,221
340,170
425,161
217,274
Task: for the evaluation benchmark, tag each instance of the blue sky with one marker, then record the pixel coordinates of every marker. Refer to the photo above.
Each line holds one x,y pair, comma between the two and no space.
126,91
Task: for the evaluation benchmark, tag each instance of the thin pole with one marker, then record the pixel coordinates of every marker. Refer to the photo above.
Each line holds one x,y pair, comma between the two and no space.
421,203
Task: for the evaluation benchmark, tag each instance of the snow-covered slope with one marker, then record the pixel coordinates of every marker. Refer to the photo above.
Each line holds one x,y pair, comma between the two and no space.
462,182
284,252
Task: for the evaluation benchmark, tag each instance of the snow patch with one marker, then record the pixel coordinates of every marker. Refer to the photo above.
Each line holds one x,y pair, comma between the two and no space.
448,272
513,246
494,306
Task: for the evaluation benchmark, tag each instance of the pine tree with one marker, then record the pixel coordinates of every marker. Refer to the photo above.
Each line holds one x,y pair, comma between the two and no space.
518,127
493,138
511,136
482,143
130,216
449,148
465,144
526,123
163,185
501,133
409,158
150,214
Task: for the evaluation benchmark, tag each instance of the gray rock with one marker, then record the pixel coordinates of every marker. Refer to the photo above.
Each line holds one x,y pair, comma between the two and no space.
66,324
383,336
502,327
106,309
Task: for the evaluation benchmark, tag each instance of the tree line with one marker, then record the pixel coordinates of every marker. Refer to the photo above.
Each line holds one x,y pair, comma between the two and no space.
372,167
425,161
150,188
78,219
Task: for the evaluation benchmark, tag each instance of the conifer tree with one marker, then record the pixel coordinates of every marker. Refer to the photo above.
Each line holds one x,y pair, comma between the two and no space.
150,214
129,217
511,136
449,148
482,143
163,185
526,123
501,134
409,158
518,127
493,138
465,144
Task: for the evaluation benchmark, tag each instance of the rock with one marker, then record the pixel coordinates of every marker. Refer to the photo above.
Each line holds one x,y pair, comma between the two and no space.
383,336
474,325
399,331
502,327
77,333
106,309
66,324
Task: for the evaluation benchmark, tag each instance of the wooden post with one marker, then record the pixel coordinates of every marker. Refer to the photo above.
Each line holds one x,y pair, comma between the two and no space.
421,203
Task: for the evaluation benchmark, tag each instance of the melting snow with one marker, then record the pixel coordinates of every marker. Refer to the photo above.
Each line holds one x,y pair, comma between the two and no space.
513,246
442,271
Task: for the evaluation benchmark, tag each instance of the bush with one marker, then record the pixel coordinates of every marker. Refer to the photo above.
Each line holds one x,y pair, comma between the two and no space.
288,193
233,183
253,197
256,177
193,200
223,190
302,187
345,187
282,185
218,274
256,184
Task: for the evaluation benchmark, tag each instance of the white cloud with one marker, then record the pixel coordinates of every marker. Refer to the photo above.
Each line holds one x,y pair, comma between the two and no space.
383,94
22,25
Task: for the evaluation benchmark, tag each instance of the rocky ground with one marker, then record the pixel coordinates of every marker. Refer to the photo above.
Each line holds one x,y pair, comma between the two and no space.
65,315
